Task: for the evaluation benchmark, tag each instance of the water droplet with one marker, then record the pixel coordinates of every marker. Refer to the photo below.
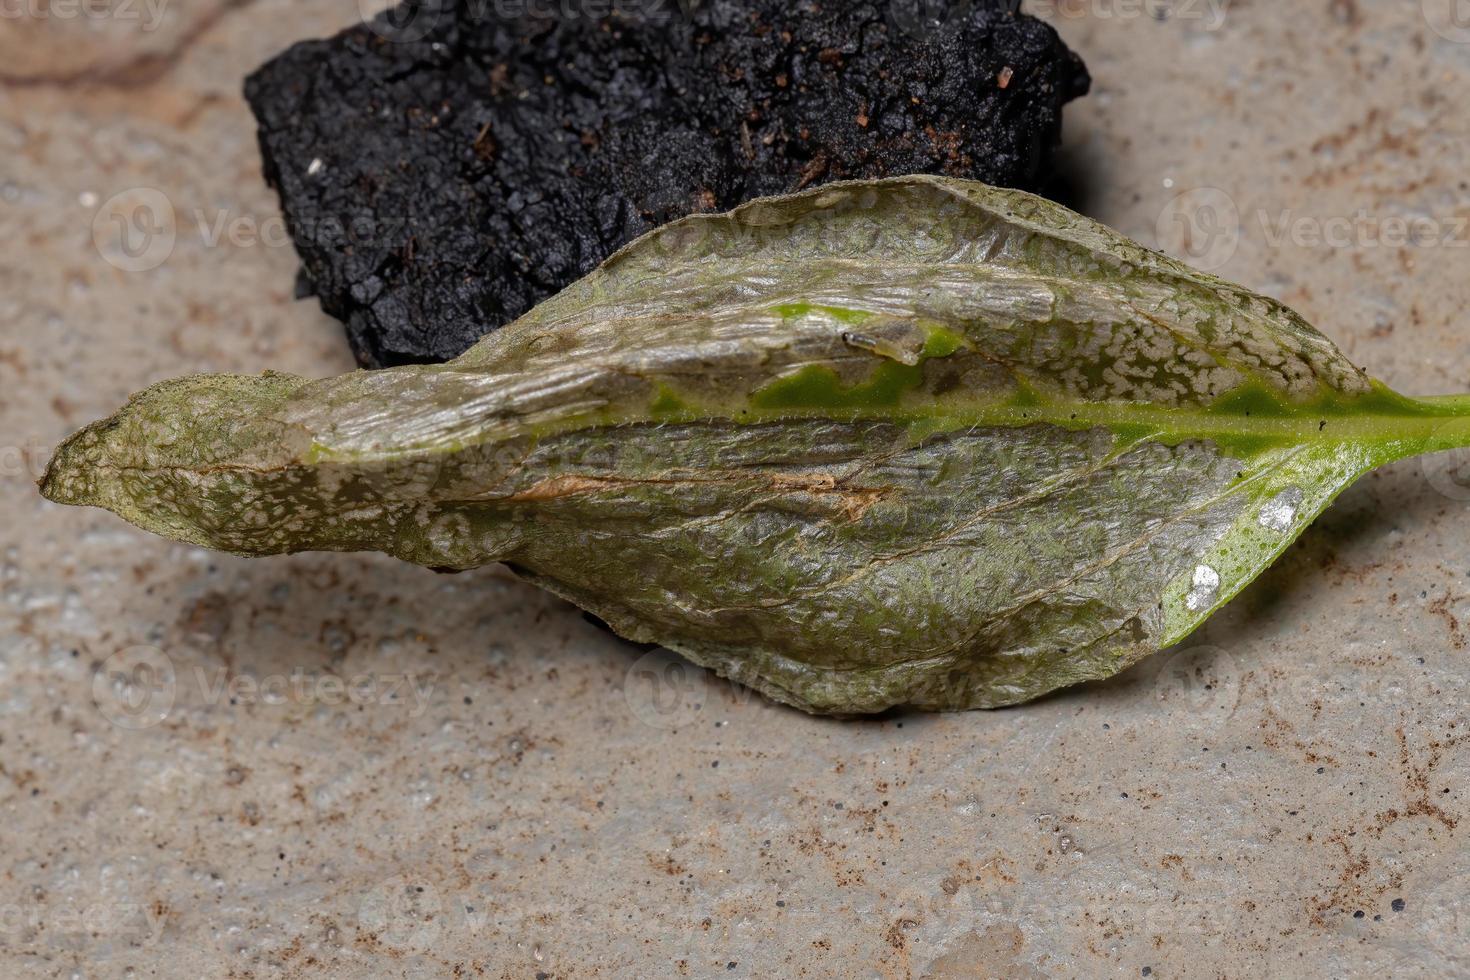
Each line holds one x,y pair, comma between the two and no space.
1206,583
1279,513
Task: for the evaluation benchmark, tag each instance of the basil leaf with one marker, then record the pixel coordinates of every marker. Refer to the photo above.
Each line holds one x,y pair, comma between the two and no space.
915,441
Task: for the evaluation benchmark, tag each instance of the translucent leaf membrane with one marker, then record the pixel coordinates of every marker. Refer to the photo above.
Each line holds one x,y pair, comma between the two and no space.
908,442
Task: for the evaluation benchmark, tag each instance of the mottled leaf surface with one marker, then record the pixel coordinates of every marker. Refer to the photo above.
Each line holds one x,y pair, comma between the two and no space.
916,441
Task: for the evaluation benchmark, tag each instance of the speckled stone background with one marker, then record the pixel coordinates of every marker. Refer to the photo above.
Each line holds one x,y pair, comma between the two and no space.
334,765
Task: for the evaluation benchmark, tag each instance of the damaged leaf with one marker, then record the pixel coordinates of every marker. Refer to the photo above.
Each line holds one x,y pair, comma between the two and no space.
917,441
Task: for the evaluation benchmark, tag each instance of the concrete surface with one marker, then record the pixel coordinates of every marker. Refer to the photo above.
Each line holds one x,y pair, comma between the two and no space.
340,766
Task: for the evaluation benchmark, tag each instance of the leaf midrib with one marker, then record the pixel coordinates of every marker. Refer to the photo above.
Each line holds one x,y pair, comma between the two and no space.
1445,420
1439,423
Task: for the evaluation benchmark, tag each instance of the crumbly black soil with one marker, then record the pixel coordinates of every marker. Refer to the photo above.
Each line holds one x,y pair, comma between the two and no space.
455,162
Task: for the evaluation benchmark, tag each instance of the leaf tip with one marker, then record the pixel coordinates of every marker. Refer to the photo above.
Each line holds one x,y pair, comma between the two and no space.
71,474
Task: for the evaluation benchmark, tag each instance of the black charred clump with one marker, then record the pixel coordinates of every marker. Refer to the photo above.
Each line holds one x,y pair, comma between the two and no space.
448,166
